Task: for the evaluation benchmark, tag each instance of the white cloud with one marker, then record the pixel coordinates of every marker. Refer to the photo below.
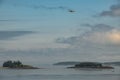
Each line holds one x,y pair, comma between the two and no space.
109,37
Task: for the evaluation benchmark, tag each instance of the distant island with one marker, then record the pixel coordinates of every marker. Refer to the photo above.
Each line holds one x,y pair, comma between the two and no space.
67,63
17,65
92,65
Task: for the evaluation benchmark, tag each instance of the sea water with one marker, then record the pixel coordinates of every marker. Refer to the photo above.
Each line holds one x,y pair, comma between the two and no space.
59,73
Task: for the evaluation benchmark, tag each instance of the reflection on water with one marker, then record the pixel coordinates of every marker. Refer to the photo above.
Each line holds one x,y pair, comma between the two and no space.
60,73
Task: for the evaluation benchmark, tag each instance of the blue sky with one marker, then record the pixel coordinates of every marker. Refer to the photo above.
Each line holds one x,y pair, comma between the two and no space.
48,27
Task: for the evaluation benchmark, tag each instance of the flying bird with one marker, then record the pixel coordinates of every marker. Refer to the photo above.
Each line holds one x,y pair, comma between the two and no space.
72,11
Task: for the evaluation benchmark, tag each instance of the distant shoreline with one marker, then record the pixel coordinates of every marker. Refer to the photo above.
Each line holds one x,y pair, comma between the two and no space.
20,68
91,65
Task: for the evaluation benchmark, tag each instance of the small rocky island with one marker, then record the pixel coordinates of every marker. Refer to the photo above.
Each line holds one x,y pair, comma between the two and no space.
17,65
92,65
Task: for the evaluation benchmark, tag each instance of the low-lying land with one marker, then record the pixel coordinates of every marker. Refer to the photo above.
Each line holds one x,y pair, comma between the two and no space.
17,65
67,63
92,65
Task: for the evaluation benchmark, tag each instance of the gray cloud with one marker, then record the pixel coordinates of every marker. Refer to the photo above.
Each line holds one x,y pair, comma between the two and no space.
34,6
114,11
39,6
69,40
4,35
98,27
99,34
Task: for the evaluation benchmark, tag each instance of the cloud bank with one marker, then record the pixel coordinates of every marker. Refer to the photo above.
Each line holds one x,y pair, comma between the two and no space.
35,6
99,34
39,6
5,35
113,12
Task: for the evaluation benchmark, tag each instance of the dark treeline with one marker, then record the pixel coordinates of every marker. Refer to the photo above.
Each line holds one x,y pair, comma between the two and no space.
12,64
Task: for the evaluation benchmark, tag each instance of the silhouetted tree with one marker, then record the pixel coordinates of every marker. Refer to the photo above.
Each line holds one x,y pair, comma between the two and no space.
12,64
8,64
89,64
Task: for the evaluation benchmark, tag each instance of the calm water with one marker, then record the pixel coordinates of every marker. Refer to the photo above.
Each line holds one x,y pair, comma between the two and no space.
60,73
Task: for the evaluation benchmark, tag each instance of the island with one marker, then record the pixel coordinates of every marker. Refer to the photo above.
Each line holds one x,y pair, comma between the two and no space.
17,65
112,63
91,65
66,63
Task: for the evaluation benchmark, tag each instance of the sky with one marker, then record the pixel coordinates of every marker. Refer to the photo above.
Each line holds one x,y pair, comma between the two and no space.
60,30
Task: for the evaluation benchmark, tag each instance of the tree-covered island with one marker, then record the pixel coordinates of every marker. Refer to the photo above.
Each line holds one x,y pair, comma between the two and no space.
93,65
17,65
